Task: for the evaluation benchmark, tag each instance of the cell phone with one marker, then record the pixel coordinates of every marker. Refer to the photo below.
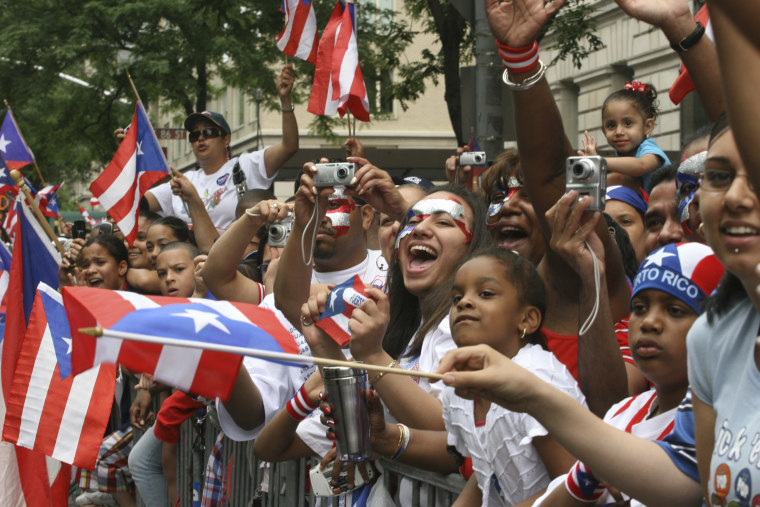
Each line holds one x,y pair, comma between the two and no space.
79,229
320,480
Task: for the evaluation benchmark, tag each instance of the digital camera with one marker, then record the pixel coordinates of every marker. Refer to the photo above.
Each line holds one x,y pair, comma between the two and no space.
333,174
279,231
588,176
472,158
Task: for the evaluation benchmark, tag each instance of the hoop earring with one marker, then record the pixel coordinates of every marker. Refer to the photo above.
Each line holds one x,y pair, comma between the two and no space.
524,331
701,229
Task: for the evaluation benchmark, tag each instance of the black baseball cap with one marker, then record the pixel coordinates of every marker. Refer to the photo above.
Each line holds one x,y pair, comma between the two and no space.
215,118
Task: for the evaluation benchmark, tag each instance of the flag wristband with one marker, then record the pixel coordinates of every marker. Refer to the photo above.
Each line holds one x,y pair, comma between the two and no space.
581,484
300,406
518,60
262,290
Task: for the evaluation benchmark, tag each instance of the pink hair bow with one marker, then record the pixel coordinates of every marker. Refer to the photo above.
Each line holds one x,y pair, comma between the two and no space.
636,86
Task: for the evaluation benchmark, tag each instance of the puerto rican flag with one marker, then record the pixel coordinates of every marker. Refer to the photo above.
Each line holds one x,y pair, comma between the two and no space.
47,200
90,221
207,373
49,410
338,81
29,478
139,163
12,145
340,305
6,182
299,38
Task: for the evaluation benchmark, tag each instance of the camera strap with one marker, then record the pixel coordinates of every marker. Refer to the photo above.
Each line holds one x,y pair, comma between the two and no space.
238,178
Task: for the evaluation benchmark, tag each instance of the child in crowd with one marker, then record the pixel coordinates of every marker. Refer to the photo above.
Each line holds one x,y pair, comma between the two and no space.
628,118
661,315
499,299
163,231
154,458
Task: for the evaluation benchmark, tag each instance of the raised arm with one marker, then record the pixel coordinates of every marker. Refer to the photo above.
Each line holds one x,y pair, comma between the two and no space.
291,287
204,230
544,148
220,268
276,156
675,20
738,43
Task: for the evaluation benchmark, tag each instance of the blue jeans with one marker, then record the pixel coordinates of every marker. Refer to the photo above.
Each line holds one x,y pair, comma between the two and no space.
147,470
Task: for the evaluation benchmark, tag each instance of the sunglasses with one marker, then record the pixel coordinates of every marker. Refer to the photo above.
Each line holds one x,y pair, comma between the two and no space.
208,133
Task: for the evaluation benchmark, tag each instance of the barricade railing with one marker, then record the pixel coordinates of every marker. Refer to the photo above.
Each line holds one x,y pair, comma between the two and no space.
251,482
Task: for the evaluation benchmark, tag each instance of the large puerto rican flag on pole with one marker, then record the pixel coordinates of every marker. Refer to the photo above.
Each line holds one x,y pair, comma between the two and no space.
139,163
12,145
49,410
338,81
340,305
28,477
299,38
208,373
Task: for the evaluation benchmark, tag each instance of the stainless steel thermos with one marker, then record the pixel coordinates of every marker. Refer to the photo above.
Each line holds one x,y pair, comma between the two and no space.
346,390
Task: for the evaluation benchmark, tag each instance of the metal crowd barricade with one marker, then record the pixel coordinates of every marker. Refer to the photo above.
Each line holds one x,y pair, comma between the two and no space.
251,483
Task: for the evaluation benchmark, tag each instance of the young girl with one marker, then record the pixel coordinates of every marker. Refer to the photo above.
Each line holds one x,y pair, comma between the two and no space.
499,299
103,262
154,458
628,117
661,315
163,231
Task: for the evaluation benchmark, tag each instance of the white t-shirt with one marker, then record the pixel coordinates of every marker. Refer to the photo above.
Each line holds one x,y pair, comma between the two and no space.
507,467
631,415
277,382
217,190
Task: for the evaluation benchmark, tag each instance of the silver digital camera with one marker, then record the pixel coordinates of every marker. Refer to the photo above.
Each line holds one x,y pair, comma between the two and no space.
588,176
334,174
279,231
473,158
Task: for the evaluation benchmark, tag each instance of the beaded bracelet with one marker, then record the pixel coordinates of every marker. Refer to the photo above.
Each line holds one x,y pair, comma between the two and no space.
300,406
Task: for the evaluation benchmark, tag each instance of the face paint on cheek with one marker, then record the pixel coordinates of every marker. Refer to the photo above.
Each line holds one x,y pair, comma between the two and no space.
340,217
495,207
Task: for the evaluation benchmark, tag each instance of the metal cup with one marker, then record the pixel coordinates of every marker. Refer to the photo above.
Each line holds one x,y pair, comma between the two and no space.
346,390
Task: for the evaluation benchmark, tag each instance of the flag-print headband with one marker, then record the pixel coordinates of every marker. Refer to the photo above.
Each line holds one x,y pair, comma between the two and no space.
426,207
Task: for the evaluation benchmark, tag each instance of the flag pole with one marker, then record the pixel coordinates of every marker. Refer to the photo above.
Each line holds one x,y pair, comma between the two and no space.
18,178
34,161
134,88
246,351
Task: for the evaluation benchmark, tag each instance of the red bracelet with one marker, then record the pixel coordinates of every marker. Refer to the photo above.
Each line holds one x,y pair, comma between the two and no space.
518,60
299,406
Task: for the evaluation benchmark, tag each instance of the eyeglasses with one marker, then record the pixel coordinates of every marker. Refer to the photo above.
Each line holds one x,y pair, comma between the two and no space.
209,133
720,180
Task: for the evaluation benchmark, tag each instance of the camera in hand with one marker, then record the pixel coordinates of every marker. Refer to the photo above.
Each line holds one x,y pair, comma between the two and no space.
588,176
279,231
79,229
334,174
473,158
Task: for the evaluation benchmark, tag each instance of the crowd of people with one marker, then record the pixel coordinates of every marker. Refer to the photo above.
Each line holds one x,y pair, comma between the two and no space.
589,356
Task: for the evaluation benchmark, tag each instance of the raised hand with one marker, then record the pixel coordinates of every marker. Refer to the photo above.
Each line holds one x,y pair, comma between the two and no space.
589,145
285,81
517,23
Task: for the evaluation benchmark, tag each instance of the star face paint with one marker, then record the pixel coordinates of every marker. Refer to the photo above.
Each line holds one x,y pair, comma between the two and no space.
500,196
339,210
423,209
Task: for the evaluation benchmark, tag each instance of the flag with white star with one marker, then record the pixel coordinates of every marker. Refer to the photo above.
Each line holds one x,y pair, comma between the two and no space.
139,163
206,373
64,418
340,306
12,146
